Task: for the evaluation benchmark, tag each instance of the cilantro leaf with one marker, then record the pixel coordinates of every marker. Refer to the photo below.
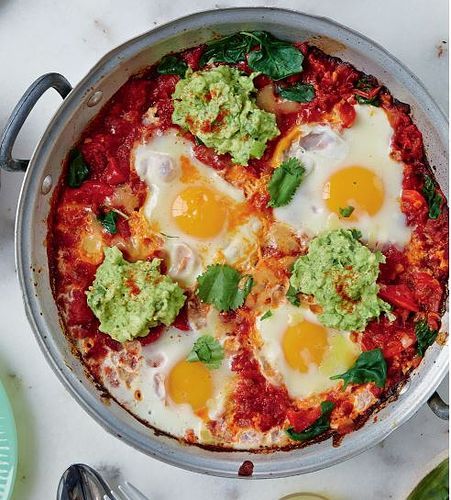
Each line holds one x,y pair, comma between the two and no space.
425,336
267,314
299,92
433,197
230,49
207,350
275,58
172,65
108,221
220,285
370,366
322,424
292,296
285,179
346,211
78,170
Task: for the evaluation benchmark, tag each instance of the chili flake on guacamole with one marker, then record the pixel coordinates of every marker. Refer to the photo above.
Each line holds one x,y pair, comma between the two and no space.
129,298
217,107
341,273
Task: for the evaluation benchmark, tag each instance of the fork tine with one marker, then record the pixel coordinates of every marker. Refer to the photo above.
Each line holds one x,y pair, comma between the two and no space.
131,492
113,496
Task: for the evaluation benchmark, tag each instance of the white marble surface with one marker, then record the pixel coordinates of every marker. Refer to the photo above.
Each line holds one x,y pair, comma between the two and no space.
37,36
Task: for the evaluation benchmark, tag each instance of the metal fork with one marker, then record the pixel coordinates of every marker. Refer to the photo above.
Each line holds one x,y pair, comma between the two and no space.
84,482
127,491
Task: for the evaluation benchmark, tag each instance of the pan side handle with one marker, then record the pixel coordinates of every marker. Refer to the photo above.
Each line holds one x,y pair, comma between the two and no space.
20,114
438,406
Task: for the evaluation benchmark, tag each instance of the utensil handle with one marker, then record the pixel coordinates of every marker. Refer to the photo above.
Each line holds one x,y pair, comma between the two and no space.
20,114
438,406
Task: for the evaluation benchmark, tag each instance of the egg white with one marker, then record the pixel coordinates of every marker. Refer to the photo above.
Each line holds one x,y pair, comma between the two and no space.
150,377
338,358
157,163
324,150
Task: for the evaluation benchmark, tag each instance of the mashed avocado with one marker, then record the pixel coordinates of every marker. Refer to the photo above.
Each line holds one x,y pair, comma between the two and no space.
129,298
217,107
341,274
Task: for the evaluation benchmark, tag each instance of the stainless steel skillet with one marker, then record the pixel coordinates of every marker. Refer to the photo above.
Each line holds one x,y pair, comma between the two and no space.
80,105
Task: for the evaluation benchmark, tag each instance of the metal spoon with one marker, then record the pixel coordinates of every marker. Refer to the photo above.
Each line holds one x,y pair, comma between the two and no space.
81,482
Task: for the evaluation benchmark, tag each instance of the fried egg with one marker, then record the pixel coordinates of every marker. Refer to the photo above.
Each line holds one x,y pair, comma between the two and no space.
351,168
176,395
202,217
301,353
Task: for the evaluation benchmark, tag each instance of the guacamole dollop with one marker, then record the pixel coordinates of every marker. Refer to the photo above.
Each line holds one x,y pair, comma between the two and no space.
216,106
341,273
129,298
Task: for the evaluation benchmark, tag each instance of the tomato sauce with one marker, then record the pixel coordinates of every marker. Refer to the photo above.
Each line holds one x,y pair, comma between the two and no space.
257,402
413,280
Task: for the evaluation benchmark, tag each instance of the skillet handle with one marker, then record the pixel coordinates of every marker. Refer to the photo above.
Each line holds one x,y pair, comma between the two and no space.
438,406
20,114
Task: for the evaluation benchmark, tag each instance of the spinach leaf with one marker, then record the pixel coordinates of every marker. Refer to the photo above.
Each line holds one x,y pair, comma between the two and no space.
292,296
299,92
172,65
230,49
322,424
363,100
275,58
356,233
365,85
78,170
108,221
433,197
369,367
425,336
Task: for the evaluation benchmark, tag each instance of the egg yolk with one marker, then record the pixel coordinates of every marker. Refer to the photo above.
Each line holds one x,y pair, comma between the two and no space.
304,344
356,187
200,212
190,382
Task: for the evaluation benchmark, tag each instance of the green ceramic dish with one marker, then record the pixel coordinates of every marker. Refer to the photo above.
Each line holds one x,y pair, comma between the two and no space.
8,447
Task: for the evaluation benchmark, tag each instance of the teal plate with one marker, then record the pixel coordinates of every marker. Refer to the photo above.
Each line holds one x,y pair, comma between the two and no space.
8,447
